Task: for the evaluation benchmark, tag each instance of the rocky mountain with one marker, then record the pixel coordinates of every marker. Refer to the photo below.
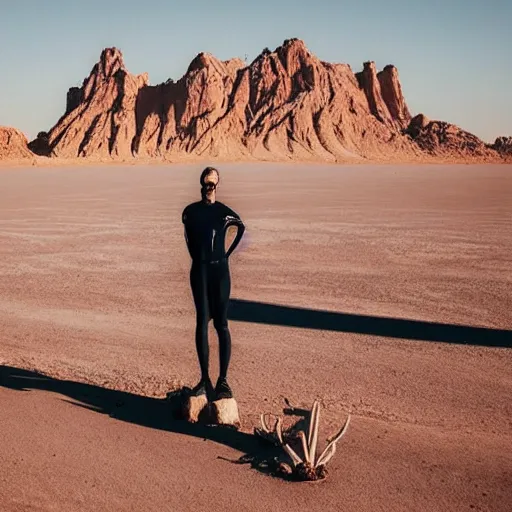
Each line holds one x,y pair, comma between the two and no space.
285,105
443,139
13,144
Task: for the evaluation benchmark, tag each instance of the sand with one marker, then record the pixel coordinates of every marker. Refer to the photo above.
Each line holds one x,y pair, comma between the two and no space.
413,262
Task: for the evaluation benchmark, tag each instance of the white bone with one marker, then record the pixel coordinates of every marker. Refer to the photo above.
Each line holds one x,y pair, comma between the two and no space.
304,447
315,417
336,438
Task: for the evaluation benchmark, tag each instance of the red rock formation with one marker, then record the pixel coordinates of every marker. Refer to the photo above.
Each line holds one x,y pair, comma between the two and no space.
370,84
393,97
13,144
286,104
384,94
100,116
442,139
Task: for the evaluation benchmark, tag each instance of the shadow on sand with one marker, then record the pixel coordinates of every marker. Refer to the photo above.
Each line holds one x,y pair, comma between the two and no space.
273,314
162,414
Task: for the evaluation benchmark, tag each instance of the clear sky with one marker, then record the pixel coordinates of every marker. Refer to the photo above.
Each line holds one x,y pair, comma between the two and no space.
454,57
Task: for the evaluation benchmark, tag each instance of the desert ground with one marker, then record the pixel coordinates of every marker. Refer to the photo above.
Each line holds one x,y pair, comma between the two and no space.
383,291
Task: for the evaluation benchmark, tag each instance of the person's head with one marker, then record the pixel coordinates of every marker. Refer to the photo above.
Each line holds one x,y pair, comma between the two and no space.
209,181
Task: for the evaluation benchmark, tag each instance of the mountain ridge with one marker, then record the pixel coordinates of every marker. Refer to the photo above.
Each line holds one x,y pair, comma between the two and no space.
286,105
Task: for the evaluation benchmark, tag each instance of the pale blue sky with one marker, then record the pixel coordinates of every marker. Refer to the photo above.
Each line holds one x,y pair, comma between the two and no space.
453,56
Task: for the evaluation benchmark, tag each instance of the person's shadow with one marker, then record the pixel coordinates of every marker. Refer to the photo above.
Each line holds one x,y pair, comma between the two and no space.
416,330
162,414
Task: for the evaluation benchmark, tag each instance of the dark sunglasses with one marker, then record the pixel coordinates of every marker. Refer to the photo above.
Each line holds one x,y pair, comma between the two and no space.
210,186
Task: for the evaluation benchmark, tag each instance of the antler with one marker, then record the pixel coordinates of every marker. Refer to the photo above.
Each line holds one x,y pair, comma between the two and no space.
265,431
289,450
314,423
314,466
326,456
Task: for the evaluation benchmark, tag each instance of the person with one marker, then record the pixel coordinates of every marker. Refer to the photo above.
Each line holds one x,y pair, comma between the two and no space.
206,223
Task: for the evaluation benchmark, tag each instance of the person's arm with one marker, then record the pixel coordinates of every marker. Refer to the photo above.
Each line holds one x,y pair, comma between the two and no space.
184,220
233,219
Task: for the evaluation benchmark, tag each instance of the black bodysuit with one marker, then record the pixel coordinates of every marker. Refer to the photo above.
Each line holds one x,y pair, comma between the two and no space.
205,233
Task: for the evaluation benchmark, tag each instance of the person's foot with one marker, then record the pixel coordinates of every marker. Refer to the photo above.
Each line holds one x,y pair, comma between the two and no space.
222,389
204,387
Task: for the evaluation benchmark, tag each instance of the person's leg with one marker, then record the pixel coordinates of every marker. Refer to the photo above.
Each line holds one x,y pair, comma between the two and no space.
199,285
220,291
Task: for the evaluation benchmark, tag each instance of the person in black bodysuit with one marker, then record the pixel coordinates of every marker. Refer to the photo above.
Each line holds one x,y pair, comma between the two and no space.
206,223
